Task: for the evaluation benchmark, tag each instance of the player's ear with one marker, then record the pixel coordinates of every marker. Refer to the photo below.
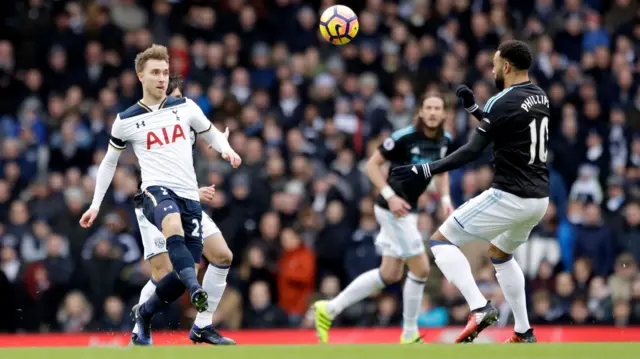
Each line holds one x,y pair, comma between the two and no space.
140,76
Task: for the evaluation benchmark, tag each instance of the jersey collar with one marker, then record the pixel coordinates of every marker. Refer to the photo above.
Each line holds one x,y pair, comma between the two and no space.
148,109
521,84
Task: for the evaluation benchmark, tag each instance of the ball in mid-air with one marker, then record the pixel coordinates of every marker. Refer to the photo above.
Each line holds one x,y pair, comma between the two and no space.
339,24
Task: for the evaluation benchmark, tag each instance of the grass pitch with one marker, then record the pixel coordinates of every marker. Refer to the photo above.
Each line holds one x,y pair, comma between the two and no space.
427,351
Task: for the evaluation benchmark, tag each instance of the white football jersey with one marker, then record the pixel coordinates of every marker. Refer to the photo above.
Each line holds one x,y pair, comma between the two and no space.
162,142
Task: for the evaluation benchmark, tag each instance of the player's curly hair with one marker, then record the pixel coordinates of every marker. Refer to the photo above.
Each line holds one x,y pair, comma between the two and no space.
175,82
517,53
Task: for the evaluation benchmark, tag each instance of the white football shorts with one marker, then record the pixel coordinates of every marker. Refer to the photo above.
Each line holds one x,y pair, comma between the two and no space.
153,240
495,216
399,236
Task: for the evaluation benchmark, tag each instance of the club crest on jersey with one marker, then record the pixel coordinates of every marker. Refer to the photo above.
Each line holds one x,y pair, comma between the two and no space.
415,150
175,112
176,133
141,123
388,144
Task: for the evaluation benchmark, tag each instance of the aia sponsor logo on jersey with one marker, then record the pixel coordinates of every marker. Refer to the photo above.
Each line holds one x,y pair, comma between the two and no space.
168,135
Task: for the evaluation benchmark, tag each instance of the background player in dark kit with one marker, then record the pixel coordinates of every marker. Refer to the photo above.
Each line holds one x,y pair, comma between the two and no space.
396,212
516,121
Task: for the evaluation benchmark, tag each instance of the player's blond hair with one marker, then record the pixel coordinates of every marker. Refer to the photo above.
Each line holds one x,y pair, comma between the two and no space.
155,52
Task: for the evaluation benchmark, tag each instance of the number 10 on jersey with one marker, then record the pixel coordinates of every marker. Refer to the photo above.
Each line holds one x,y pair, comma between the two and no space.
543,134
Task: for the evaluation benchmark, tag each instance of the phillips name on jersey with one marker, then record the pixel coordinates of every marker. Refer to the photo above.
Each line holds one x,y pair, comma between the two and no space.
162,142
517,119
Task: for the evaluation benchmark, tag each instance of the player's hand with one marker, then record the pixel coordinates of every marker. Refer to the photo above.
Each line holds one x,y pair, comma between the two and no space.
207,194
398,206
232,157
466,95
447,206
88,218
410,174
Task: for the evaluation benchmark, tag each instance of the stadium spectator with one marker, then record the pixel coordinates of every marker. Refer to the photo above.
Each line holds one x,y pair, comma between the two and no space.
594,240
296,275
260,312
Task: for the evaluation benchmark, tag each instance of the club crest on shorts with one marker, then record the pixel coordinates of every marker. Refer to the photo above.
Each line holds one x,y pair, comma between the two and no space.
160,242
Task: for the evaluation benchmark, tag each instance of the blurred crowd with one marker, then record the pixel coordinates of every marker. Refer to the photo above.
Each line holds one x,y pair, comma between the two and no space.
305,115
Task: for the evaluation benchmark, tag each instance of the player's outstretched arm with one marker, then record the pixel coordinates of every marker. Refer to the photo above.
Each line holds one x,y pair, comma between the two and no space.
218,140
463,155
105,174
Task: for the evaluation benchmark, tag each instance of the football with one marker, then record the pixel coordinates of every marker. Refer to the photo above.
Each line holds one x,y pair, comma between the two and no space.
339,24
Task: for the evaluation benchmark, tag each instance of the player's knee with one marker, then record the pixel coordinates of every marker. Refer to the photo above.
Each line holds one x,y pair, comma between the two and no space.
160,266
160,272
222,257
391,276
497,255
437,239
421,272
172,225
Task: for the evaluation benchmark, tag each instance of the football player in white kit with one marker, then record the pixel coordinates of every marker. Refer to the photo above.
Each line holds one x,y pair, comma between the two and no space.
215,249
157,127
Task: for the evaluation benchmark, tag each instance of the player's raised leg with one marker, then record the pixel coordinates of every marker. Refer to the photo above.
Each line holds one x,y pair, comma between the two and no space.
455,267
214,282
160,207
363,286
476,213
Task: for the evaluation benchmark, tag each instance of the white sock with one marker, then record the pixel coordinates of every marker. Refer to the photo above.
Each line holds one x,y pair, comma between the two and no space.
412,300
361,287
455,267
214,283
511,281
146,293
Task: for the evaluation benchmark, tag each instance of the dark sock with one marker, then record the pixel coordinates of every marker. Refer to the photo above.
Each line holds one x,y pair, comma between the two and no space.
168,290
182,262
152,306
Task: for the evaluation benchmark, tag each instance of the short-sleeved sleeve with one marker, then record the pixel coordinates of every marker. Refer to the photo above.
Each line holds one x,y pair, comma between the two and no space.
118,137
447,145
392,149
197,119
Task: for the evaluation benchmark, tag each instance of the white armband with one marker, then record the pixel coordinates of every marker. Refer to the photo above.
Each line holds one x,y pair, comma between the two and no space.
445,199
387,192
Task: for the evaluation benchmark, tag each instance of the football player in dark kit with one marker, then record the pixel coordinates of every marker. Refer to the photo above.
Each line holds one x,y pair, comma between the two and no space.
399,239
516,121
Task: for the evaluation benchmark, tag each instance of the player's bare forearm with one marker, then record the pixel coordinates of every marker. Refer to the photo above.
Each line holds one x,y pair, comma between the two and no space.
106,171
374,171
463,155
442,184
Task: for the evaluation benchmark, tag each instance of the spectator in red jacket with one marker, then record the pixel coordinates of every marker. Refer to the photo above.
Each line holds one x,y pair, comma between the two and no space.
296,275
